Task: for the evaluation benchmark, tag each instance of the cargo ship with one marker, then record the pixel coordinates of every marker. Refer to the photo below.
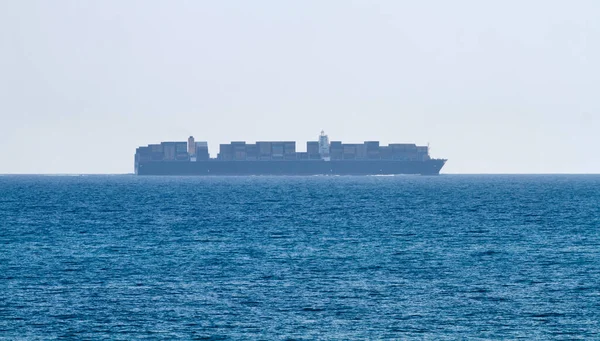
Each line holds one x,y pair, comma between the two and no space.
322,157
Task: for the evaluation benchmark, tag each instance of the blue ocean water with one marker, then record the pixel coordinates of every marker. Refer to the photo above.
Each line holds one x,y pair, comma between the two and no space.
404,257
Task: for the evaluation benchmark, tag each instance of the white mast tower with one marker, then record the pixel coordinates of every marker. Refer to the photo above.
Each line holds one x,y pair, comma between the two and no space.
324,146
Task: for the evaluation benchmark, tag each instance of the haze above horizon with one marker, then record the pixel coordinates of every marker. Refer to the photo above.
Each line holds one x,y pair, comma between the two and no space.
505,87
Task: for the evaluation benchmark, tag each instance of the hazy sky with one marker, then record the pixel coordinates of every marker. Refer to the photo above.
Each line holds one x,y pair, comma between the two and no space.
494,86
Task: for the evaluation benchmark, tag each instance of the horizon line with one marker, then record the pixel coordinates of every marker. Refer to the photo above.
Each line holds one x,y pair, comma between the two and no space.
128,174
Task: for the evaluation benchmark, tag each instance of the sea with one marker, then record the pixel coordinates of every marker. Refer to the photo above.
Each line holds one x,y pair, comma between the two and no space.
476,257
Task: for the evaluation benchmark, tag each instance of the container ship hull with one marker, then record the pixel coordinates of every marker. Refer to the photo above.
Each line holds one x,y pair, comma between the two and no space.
289,167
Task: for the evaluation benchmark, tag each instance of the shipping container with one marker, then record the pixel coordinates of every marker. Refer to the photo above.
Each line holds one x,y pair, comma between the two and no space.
385,152
404,146
181,147
312,147
399,155
361,151
143,153
144,150
349,149
399,147
373,154
264,148
202,154
156,148
336,150
251,151
239,156
143,157
277,149
157,156
372,145
169,150
225,157
225,148
289,147
182,156
239,148
225,152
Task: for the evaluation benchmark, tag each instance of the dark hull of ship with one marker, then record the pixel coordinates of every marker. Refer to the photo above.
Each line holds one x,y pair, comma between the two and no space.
289,167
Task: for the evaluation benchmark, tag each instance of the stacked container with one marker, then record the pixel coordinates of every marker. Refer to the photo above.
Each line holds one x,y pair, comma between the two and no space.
264,150
157,153
385,152
143,153
225,152
169,151
251,152
372,148
312,149
361,152
277,150
289,150
349,151
336,150
239,150
202,151
281,150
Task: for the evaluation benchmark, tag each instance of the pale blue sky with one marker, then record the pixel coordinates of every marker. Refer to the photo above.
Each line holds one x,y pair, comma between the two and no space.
494,86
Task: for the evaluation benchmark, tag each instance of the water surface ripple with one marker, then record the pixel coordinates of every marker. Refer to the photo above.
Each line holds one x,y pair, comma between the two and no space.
405,257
